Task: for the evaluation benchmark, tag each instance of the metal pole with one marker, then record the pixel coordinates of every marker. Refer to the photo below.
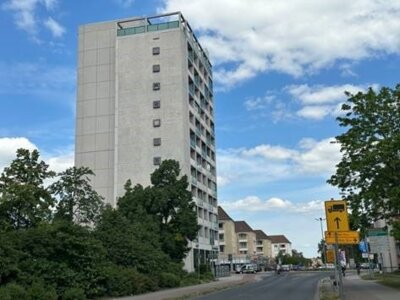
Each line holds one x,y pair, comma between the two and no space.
323,240
341,296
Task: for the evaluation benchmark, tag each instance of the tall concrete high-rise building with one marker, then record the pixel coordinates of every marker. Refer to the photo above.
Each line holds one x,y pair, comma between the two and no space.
145,93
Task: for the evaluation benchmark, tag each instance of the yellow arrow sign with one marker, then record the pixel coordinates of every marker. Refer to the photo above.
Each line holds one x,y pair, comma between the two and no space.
336,215
343,237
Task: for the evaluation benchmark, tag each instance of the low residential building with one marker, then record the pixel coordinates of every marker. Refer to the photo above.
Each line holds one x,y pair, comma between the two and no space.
280,244
263,244
226,234
246,238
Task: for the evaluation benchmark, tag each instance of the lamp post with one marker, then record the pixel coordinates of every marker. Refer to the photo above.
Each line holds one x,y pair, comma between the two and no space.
323,239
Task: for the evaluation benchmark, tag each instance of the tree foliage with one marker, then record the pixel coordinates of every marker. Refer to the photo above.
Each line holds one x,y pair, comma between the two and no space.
369,172
59,242
24,200
77,201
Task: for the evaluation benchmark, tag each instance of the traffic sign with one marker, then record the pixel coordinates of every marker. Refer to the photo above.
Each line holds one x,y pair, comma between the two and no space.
330,256
336,215
343,237
363,247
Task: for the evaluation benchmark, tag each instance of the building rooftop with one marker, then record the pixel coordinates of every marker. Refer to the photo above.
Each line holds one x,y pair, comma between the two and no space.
242,226
222,215
276,239
260,235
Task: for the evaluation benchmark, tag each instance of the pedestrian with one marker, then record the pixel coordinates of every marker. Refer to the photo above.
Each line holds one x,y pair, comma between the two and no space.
358,267
343,265
278,269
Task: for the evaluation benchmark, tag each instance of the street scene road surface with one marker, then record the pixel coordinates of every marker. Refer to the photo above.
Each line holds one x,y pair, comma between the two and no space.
287,285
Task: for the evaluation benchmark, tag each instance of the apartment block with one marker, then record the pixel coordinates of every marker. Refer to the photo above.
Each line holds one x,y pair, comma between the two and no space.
280,244
263,244
227,234
145,94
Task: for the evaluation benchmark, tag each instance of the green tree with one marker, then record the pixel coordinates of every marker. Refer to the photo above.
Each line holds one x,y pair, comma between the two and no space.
369,172
77,201
176,210
24,200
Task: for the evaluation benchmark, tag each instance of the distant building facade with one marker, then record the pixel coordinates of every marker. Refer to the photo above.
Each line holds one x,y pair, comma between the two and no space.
280,243
239,243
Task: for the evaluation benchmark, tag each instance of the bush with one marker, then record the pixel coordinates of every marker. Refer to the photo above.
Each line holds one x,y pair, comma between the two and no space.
74,294
168,280
119,281
39,291
13,291
190,279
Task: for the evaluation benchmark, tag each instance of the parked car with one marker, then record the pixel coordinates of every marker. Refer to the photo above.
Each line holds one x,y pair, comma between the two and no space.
247,268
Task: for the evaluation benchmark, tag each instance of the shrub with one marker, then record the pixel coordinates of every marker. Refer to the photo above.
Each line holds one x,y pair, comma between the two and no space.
13,291
119,281
5,294
168,280
39,291
74,294
190,279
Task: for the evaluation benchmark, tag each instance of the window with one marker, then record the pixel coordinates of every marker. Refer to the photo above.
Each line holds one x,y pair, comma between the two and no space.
157,142
156,50
156,68
156,161
156,122
156,86
220,225
156,104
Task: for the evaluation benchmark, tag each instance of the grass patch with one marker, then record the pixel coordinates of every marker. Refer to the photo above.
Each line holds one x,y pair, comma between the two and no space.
388,279
326,290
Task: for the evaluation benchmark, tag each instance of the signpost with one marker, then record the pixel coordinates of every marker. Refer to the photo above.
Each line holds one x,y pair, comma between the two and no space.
337,222
343,237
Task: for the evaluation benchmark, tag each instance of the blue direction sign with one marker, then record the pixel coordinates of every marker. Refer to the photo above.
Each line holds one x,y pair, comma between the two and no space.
362,246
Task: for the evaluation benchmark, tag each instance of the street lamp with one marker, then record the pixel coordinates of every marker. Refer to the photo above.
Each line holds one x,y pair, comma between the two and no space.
323,240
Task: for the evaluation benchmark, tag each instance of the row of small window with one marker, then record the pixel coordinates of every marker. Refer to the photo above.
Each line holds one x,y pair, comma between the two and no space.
156,104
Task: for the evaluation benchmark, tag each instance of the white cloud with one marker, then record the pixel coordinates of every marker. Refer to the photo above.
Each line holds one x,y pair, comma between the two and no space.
319,101
56,29
255,204
292,37
28,18
271,152
315,112
269,163
61,162
259,102
9,146
319,94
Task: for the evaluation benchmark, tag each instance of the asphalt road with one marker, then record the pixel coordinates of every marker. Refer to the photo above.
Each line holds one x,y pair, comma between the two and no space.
287,285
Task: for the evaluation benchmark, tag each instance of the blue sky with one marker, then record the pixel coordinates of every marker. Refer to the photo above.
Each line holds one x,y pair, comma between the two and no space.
280,72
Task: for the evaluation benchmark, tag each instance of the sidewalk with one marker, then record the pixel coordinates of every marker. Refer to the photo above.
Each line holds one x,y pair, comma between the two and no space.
356,288
192,291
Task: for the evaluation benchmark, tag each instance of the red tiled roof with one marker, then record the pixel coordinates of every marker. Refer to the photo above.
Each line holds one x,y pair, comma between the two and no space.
260,235
277,239
242,226
222,215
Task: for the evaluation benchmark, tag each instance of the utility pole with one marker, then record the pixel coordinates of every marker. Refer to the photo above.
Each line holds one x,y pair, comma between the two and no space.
323,240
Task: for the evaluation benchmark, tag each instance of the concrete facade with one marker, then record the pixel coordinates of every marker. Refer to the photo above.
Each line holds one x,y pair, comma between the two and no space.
145,94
